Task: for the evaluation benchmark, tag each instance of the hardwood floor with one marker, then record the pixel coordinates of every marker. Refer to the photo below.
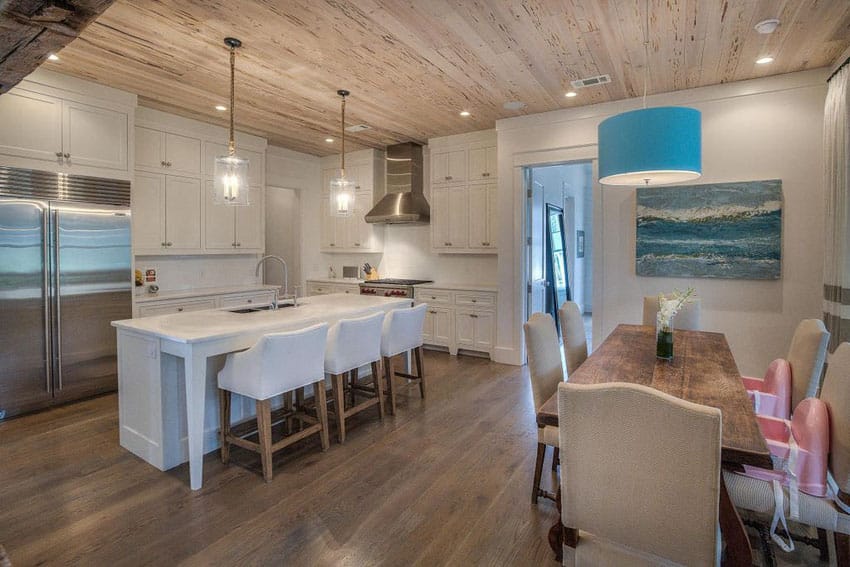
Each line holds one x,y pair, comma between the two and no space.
443,482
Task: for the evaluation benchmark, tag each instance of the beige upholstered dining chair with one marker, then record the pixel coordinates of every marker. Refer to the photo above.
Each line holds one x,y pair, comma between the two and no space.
806,355
757,495
687,319
546,372
575,341
644,488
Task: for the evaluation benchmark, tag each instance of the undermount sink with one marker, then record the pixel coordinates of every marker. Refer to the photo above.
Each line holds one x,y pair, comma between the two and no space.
244,310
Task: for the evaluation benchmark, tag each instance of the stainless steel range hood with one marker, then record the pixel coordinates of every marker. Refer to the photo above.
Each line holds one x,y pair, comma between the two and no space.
404,202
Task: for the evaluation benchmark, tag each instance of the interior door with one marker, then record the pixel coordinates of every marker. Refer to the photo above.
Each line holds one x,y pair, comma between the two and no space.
92,283
536,246
24,340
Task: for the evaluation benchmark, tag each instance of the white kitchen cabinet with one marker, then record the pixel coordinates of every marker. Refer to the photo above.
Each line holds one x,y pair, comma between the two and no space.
64,132
167,307
235,301
315,287
449,217
153,306
448,166
482,163
231,229
167,152
32,125
352,233
166,214
459,319
482,216
256,161
94,136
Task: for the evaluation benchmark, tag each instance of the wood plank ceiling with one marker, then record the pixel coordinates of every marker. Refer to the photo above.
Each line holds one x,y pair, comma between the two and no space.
413,65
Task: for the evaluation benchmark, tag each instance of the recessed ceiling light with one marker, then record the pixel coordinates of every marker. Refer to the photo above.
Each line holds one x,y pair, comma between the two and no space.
220,107
571,94
764,60
53,57
329,140
767,26
464,113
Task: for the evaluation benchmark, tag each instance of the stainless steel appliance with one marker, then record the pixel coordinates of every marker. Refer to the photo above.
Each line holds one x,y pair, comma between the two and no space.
405,201
390,287
65,275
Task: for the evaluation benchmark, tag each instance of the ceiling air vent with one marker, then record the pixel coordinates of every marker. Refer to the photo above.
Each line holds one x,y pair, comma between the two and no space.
591,81
357,128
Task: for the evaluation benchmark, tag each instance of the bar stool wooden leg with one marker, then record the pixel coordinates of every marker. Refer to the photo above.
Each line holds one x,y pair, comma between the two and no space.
224,423
352,382
379,388
417,352
264,430
556,459
388,373
299,403
322,412
339,405
538,472
289,407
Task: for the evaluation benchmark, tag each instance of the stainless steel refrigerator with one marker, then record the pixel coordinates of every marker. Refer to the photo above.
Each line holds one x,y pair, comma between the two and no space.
65,275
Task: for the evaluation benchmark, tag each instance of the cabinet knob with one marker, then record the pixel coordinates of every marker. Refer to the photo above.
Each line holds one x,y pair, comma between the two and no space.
485,174
357,186
168,164
59,154
432,297
162,163
179,309
67,155
162,243
449,177
238,244
474,301
332,244
168,243
250,301
432,312
474,316
357,244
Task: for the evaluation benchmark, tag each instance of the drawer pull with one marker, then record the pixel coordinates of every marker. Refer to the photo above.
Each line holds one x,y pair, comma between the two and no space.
474,301
179,309
474,316
485,174
250,301
432,312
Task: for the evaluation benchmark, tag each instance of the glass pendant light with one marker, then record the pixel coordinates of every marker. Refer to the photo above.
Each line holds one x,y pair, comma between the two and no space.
341,188
231,172
650,146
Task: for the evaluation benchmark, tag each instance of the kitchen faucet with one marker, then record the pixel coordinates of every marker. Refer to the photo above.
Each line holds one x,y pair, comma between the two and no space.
285,272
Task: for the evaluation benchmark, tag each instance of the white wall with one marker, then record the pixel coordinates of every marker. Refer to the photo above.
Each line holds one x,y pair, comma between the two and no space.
761,129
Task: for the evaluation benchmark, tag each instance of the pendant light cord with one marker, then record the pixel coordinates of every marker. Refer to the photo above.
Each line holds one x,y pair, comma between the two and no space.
645,52
231,148
342,130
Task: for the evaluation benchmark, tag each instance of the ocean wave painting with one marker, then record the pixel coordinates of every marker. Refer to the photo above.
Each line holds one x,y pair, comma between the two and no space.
720,230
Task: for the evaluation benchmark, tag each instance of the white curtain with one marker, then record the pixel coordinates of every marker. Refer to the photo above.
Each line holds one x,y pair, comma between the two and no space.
836,138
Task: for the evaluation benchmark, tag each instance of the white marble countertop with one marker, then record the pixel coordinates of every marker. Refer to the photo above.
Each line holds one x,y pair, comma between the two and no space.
336,280
458,286
199,326
202,292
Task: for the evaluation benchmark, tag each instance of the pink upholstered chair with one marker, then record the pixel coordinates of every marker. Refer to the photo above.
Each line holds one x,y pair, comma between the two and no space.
771,396
758,494
640,476
806,357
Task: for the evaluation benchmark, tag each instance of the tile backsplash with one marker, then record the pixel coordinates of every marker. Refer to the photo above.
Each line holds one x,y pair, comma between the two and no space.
175,273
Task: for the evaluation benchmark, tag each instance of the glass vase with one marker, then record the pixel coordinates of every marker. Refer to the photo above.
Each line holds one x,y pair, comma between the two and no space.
664,338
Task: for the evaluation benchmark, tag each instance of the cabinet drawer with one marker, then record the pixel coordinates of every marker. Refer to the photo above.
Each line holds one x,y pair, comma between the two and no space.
320,289
433,296
347,288
165,308
475,299
247,299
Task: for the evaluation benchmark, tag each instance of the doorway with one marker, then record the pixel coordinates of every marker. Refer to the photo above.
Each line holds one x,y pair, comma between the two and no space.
559,216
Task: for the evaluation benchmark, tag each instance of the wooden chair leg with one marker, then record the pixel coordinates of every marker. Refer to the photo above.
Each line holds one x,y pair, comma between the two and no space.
417,353
556,459
842,550
379,388
353,377
538,472
388,373
339,405
823,545
224,423
299,403
264,430
288,406
322,412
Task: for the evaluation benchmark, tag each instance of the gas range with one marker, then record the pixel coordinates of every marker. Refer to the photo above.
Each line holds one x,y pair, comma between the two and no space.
390,287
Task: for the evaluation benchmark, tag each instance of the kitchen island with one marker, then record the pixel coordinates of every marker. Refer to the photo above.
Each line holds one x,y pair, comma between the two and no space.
168,367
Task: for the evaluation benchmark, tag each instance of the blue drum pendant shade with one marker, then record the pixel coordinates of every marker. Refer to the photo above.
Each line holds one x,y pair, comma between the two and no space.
651,146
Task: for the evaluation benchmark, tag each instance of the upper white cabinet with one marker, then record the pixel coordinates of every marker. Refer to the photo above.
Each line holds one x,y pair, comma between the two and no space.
449,166
166,214
54,129
173,209
464,193
353,233
171,153
234,229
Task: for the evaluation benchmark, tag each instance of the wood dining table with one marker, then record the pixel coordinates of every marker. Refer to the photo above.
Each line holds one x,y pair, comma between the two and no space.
702,371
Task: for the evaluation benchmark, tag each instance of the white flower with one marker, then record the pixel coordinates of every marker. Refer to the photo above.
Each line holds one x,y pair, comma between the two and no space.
668,307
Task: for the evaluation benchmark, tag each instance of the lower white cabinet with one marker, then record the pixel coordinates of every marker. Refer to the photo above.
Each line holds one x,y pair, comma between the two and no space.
318,287
459,319
199,302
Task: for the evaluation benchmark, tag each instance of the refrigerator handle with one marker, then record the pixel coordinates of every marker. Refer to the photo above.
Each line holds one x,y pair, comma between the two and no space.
57,308
48,358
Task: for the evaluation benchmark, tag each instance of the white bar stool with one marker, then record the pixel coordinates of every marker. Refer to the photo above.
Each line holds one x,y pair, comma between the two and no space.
402,333
278,363
353,343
